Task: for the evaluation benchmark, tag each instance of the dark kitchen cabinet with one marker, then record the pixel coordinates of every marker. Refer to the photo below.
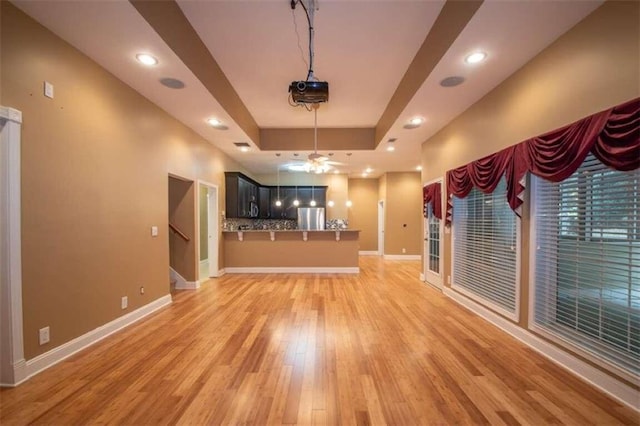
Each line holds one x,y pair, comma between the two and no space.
246,198
264,202
241,199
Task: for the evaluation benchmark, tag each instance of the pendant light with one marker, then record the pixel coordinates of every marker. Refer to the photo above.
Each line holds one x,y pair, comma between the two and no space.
312,203
296,202
349,203
278,202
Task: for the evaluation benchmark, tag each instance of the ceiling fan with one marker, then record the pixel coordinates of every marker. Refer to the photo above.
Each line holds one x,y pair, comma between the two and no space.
315,163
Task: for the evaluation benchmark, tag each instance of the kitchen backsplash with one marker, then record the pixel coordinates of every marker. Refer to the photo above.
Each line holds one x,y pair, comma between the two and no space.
274,224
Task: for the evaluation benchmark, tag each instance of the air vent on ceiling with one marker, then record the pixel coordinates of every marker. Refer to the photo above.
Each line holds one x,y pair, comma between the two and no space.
242,144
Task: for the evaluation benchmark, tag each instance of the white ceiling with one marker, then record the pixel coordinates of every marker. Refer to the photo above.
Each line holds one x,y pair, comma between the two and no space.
362,48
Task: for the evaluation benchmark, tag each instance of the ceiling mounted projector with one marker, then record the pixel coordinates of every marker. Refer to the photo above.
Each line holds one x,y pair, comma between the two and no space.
309,92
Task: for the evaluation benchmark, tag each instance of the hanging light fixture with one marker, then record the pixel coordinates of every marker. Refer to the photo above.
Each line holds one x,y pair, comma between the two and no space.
316,163
278,201
312,203
349,203
296,202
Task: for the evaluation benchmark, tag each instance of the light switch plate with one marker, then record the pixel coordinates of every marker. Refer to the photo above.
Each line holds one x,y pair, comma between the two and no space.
48,89
154,231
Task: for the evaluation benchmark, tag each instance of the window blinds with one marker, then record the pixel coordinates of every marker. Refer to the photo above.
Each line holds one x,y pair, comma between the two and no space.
587,262
485,249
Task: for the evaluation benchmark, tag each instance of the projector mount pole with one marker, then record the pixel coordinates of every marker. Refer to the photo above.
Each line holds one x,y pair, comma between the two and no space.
311,11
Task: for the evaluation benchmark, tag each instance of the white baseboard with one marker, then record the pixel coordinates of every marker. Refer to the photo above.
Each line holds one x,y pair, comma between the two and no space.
422,277
221,272
402,257
181,282
293,270
368,253
203,270
55,355
19,374
597,378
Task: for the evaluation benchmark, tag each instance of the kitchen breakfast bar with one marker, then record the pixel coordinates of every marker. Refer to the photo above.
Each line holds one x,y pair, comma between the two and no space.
291,251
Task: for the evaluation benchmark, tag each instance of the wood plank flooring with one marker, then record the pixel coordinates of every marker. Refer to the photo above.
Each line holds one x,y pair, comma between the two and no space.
375,348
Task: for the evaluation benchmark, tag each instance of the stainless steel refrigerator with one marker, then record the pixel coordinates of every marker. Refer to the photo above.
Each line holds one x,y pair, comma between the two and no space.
311,218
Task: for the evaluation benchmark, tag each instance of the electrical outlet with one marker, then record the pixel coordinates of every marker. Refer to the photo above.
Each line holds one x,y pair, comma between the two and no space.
141,289
404,250
154,231
43,335
448,279
125,302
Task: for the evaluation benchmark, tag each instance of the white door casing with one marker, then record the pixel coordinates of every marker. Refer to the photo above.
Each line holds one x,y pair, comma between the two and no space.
12,362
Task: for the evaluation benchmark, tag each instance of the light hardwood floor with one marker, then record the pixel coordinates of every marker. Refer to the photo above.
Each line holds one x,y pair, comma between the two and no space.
375,348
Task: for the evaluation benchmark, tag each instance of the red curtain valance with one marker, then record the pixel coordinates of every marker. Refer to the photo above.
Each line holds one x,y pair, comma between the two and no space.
432,194
613,136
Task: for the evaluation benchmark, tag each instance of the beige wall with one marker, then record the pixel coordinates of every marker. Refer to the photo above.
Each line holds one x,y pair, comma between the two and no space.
95,163
403,213
592,67
363,215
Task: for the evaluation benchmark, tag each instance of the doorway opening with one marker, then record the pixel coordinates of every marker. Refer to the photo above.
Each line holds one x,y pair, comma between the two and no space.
182,236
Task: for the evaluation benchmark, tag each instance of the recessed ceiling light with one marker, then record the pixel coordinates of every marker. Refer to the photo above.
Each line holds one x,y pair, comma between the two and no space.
146,59
475,57
368,170
349,203
364,174
216,124
331,203
390,147
419,168
414,123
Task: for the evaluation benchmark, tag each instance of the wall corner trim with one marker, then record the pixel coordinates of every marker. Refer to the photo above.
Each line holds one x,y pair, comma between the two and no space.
60,353
11,114
181,282
602,381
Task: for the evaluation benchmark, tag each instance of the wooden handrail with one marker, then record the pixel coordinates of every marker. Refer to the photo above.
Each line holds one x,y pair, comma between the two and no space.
179,232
